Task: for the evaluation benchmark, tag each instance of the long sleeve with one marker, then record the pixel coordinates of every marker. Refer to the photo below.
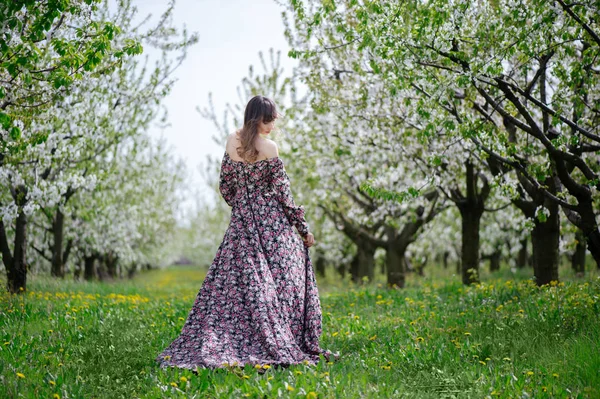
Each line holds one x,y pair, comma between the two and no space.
280,183
227,182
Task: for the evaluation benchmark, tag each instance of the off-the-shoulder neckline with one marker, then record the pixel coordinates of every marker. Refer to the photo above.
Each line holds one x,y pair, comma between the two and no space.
250,163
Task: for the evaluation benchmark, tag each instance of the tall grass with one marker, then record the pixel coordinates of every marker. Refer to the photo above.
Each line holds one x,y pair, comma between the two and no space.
503,338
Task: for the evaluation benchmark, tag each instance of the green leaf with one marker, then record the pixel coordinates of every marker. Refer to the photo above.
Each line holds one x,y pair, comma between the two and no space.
5,120
15,133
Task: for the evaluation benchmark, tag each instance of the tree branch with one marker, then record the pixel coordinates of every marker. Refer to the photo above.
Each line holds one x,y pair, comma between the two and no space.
585,26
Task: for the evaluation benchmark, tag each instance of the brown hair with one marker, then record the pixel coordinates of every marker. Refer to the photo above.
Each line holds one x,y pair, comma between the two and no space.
259,109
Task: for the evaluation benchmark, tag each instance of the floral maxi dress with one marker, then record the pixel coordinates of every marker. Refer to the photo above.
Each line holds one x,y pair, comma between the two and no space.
259,302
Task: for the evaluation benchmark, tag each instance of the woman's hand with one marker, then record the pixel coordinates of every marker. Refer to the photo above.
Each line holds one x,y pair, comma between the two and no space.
309,240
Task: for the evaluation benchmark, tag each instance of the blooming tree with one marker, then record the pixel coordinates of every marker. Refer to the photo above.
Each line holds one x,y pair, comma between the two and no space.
512,81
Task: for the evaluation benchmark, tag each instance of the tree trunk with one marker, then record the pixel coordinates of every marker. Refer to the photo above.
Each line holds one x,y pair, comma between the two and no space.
495,261
590,229
585,218
77,271
111,264
396,268
578,257
58,267
545,239
17,273
445,259
16,263
522,256
421,268
471,218
89,271
320,266
364,265
101,268
354,266
341,268
471,207
131,271
593,241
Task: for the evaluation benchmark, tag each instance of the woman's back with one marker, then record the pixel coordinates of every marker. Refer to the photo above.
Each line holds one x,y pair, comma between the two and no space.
266,148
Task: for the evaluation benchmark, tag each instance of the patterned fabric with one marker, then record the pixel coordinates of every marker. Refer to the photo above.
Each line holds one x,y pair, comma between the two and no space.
259,302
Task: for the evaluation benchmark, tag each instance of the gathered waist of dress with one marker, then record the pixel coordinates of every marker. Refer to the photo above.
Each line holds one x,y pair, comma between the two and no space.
253,196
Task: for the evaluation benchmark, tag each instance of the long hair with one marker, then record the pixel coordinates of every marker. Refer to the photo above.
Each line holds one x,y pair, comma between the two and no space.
259,109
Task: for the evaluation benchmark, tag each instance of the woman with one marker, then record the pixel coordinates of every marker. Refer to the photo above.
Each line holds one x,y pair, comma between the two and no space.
259,302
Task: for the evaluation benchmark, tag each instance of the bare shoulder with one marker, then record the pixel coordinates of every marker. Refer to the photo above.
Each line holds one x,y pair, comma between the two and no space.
232,137
231,140
269,148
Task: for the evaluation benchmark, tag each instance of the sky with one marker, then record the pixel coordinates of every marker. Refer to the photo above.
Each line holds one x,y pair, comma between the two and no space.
231,34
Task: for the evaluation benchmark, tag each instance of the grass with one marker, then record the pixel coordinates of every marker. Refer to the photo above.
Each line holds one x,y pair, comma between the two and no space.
503,338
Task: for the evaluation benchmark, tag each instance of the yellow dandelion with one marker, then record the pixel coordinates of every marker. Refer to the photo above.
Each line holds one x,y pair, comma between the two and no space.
311,395
373,337
356,317
56,396
246,377
269,378
544,389
167,357
482,362
335,334
290,388
20,375
506,359
266,366
555,375
7,343
183,379
386,367
174,384
60,364
181,319
52,383
529,373
50,331
257,366
298,372
420,339
468,334
487,359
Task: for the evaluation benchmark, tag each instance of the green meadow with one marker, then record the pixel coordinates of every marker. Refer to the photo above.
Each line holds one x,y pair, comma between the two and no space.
504,338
